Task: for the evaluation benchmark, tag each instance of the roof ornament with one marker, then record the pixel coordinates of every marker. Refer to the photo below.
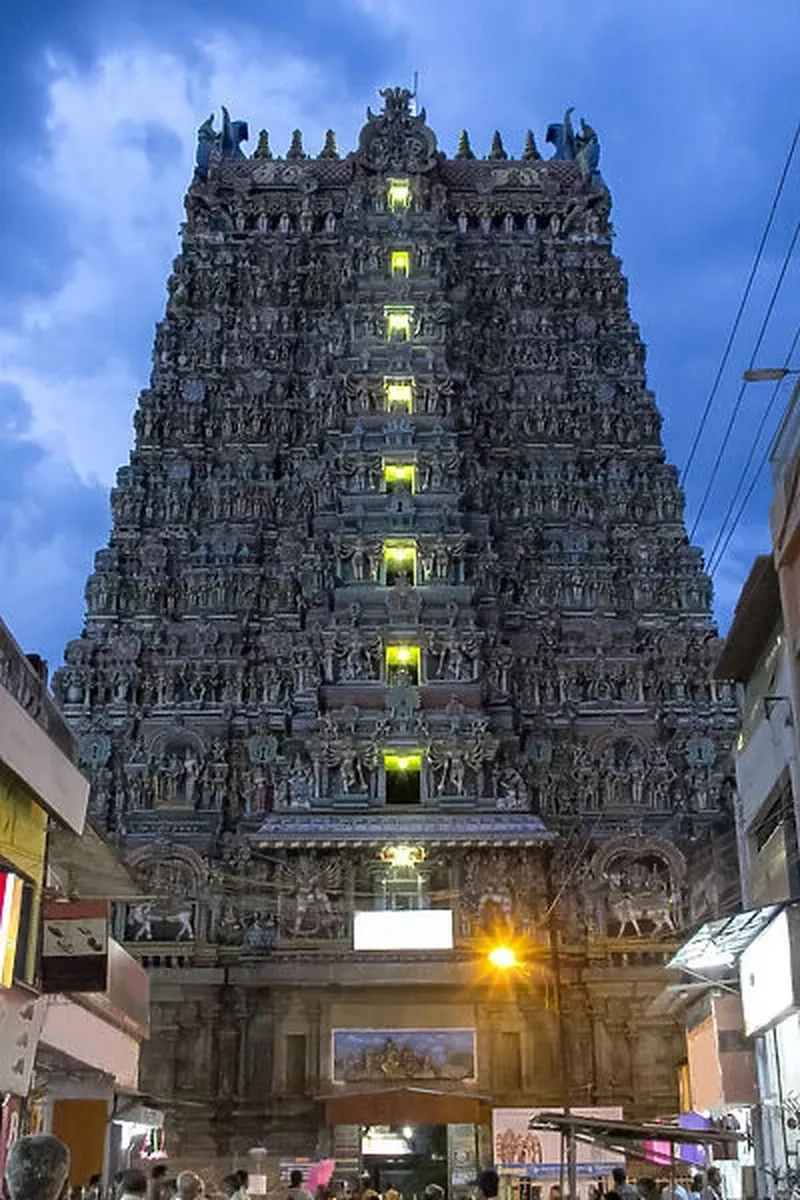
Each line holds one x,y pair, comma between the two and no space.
530,152
329,150
497,152
296,151
583,148
464,148
397,139
262,150
225,144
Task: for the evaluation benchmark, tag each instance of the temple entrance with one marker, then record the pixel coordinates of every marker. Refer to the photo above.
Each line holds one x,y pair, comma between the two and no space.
405,1158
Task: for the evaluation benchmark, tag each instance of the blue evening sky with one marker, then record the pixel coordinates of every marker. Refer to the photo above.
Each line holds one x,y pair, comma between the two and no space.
695,103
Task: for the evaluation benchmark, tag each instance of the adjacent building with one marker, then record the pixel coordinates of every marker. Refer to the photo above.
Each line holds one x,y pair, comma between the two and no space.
399,653
74,1006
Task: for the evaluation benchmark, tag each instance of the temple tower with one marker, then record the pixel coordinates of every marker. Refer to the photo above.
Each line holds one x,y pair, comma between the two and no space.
399,650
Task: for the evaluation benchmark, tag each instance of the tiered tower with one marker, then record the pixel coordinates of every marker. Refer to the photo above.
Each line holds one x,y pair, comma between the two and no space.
399,636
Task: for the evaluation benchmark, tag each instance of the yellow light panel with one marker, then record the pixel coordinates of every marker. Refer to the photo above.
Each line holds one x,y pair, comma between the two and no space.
403,656
400,552
400,262
399,394
403,856
398,323
400,473
406,761
398,194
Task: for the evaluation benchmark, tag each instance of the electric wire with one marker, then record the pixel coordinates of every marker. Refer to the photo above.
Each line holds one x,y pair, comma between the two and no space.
745,297
714,556
738,403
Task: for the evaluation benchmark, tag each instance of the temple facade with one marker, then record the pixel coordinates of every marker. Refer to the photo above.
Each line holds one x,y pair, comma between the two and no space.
399,653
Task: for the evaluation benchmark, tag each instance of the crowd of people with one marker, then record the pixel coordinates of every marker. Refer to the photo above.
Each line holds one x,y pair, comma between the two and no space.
38,1168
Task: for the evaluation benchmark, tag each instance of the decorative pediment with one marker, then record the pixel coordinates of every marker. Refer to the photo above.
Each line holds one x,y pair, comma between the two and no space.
397,140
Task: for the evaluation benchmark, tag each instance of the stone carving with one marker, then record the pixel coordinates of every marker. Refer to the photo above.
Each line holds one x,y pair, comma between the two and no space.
396,139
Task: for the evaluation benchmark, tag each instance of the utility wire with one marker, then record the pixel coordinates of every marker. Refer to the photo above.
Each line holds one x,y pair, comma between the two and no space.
713,558
748,286
732,421
764,460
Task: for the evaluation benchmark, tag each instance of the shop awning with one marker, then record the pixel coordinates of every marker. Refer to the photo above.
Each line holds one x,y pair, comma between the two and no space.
407,1106
718,945
88,867
614,1133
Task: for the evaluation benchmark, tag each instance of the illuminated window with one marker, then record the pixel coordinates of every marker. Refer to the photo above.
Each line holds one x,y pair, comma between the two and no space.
399,395
400,263
402,666
400,562
398,194
399,478
398,323
403,773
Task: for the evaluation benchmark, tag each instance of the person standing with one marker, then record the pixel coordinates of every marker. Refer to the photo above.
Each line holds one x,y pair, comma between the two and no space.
488,1183
296,1190
132,1185
713,1188
37,1168
625,1190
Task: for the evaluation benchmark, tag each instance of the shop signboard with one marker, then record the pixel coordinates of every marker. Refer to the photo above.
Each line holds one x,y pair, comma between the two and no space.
462,1156
536,1153
769,972
75,946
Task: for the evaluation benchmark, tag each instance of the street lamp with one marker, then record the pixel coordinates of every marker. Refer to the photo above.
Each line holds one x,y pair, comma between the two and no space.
768,374
504,958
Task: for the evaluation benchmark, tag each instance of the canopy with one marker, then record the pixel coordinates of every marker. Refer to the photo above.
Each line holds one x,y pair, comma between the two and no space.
407,1106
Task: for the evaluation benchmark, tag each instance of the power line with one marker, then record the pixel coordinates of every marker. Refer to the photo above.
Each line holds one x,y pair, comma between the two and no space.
764,460
732,421
742,304
713,558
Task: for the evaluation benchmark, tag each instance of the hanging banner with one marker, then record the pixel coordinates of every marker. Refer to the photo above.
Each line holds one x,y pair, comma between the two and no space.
21,1018
10,908
75,946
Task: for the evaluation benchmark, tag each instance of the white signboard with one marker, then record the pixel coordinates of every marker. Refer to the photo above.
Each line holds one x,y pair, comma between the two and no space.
769,971
419,929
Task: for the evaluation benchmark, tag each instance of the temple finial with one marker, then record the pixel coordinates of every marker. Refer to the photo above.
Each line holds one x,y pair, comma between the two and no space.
262,150
464,149
497,151
530,153
329,150
296,151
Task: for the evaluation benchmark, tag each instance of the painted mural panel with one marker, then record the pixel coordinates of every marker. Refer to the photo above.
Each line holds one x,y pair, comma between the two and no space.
383,1055
536,1154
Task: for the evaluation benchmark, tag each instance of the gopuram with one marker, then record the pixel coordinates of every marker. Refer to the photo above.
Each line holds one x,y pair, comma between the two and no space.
399,652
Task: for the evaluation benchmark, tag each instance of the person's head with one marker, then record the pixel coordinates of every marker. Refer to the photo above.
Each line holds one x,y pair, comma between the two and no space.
159,1171
555,1192
619,1175
230,1185
714,1177
613,1196
37,1168
132,1183
296,1179
697,1183
243,1177
95,1180
434,1192
190,1186
488,1184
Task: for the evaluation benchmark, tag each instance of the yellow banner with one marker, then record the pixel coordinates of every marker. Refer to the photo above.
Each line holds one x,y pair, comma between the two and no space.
23,830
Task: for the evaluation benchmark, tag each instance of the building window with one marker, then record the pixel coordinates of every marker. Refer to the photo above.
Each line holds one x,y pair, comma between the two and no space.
399,478
402,666
402,889
398,195
400,563
403,774
296,1064
399,395
400,264
398,322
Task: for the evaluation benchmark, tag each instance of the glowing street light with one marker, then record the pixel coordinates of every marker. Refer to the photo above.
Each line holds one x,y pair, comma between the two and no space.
503,957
